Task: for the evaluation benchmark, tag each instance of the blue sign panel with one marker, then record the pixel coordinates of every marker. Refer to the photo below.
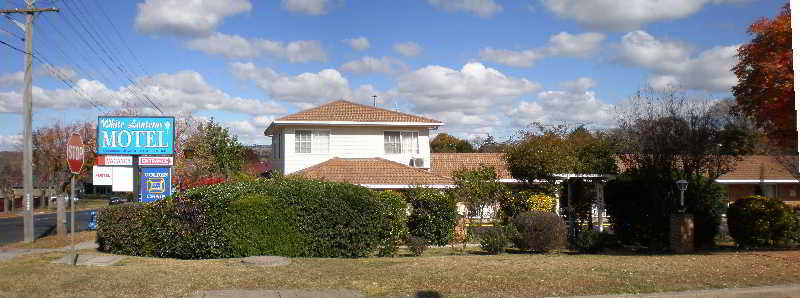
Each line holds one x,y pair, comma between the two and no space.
155,183
135,135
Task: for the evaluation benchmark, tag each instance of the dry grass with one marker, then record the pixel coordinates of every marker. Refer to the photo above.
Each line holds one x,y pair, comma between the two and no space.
459,275
52,241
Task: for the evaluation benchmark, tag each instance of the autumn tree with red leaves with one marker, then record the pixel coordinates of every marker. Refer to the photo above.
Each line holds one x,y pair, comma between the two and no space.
765,90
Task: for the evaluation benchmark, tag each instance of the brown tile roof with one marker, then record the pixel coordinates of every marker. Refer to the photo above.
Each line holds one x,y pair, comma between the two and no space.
443,164
371,171
749,168
342,110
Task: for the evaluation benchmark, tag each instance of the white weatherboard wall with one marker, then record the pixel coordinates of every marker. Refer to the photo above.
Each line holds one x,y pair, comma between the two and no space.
349,142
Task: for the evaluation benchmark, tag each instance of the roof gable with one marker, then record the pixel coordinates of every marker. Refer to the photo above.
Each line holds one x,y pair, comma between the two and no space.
342,110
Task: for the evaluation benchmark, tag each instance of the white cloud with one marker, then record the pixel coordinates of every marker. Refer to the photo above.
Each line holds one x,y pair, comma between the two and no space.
580,45
524,58
10,142
671,63
621,15
237,47
554,107
12,79
561,44
306,89
357,43
408,49
16,79
368,64
186,18
579,85
473,90
481,8
250,131
309,7
179,92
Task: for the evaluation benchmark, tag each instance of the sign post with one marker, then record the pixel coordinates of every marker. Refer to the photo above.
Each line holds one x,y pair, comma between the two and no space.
75,161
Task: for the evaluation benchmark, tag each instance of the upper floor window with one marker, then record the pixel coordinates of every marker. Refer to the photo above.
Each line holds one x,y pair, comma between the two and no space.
397,142
311,141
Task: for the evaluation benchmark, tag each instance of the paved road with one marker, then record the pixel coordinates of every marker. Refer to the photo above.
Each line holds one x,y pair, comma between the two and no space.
43,224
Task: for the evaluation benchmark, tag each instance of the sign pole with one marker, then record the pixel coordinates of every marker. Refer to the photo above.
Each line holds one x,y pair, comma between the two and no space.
137,191
72,220
75,156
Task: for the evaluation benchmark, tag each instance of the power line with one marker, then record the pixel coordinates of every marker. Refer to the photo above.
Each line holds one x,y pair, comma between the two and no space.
97,38
78,67
37,58
15,48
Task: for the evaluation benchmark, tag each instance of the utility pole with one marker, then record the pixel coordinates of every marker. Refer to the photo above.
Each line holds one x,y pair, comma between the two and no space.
27,106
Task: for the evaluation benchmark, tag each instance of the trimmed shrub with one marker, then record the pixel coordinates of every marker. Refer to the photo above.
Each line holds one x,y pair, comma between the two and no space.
123,229
286,216
416,245
433,215
761,221
262,226
539,231
394,220
494,240
589,241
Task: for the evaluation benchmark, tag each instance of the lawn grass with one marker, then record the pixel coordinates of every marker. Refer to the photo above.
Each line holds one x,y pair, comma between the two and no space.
52,241
469,274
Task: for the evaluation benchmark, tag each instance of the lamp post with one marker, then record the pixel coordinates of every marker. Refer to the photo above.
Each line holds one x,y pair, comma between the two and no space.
682,185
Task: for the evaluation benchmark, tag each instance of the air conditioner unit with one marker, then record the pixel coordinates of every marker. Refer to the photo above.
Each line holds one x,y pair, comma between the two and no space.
418,162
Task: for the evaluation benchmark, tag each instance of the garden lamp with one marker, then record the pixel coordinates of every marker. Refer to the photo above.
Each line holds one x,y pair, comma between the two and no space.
682,185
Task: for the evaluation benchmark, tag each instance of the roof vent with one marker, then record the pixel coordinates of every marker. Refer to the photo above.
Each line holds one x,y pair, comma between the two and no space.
418,162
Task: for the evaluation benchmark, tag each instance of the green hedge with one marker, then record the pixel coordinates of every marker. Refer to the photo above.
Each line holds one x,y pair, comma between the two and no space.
433,216
286,216
762,221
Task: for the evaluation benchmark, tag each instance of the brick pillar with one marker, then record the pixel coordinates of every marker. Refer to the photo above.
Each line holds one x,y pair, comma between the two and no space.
681,233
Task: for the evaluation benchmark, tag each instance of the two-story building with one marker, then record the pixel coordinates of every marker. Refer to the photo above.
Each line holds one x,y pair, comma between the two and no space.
356,143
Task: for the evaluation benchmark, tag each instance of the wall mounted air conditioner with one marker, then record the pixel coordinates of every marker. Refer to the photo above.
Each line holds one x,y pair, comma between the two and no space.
418,162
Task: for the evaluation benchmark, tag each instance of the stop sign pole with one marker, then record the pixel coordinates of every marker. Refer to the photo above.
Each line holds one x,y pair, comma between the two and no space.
75,162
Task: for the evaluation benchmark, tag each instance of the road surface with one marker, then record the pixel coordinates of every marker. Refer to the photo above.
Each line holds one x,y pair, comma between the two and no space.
43,224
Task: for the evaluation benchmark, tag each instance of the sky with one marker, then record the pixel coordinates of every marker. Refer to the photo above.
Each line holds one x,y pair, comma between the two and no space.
483,67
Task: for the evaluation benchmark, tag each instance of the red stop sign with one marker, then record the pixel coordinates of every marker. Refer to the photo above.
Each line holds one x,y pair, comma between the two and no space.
75,153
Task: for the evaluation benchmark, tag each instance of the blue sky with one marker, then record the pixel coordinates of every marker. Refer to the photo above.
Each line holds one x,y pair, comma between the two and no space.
481,66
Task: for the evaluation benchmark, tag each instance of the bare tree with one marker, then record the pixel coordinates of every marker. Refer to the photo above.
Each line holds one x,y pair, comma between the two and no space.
665,130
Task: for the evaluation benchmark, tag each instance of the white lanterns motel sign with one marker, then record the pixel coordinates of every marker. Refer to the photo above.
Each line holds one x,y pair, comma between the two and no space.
124,138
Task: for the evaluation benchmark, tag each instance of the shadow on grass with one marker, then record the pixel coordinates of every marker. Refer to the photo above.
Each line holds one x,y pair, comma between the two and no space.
428,294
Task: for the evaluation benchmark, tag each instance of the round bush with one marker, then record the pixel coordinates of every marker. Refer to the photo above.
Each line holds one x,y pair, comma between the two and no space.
494,240
761,221
433,216
286,216
539,231
416,245
590,241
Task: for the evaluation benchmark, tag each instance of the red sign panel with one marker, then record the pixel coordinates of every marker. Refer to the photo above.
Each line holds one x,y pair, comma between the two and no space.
155,160
114,160
75,153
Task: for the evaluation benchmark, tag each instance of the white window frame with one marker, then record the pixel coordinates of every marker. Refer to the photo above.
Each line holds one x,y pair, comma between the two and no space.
402,151
313,133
